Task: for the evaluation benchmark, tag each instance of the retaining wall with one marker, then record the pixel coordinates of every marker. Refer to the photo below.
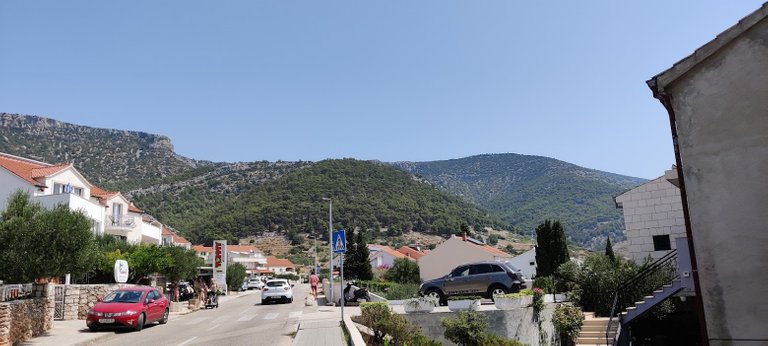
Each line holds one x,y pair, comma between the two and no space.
22,320
78,299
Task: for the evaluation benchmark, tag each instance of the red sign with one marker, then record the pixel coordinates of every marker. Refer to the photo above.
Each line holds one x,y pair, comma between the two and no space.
217,255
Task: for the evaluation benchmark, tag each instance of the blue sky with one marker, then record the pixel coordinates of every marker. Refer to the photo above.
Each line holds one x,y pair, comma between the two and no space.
385,80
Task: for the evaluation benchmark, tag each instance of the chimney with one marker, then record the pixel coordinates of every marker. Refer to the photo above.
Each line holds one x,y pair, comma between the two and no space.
464,236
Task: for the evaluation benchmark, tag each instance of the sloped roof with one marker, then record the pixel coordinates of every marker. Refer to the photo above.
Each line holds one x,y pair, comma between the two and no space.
242,248
176,237
273,261
201,248
659,82
411,252
485,247
386,249
27,169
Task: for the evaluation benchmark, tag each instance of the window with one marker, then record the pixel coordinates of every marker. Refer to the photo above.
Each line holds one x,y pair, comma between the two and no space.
460,271
78,191
661,243
496,269
58,188
480,269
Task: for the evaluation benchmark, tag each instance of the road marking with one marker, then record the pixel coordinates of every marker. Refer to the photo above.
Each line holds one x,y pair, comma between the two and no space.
295,314
188,341
271,316
246,310
197,320
246,318
214,327
219,319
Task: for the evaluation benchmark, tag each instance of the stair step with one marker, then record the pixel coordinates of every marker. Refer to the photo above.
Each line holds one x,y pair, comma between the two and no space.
592,341
640,302
631,308
593,328
647,297
595,334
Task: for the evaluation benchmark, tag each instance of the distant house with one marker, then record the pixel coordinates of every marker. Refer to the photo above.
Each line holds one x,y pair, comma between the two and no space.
456,251
526,262
171,238
280,265
411,252
653,217
382,256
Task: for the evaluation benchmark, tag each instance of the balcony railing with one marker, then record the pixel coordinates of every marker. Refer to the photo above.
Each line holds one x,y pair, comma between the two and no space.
122,221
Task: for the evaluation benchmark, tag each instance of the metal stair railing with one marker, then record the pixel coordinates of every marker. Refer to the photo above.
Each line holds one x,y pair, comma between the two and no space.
649,279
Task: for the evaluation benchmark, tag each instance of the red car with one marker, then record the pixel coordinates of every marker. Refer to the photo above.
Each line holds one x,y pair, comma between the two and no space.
131,307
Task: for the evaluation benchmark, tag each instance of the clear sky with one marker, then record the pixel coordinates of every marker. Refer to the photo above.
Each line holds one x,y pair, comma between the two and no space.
386,80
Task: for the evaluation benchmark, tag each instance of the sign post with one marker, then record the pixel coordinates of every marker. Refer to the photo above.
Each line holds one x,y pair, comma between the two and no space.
220,263
340,247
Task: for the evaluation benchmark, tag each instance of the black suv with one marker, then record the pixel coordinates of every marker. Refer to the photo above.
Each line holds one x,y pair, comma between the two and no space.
486,279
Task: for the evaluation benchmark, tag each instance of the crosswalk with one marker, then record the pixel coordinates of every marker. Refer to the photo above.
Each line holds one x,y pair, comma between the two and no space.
243,316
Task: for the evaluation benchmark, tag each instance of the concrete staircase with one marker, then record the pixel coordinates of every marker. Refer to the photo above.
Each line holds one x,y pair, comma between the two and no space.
648,302
593,331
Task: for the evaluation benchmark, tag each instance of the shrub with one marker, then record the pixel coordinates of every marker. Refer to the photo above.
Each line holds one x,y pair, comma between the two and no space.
235,276
567,320
465,298
403,271
403,291
379,317
538,302
523,293
470,329
546,283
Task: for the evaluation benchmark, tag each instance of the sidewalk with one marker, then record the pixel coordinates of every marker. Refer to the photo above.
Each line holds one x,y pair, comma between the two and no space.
74,332
321,328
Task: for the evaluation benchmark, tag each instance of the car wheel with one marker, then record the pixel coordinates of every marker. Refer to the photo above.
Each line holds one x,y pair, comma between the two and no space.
435,294
164,320
93,328
496,290
139,323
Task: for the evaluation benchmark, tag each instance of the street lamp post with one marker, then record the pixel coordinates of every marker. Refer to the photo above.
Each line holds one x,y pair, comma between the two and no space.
330,244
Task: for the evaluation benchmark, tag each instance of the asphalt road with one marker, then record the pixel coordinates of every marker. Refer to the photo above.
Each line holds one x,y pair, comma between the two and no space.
239,321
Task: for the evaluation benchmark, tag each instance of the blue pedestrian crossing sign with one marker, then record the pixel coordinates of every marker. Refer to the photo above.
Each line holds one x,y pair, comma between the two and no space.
339,241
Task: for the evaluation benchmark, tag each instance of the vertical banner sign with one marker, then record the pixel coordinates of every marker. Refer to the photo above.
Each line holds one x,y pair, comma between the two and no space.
340,247
220,263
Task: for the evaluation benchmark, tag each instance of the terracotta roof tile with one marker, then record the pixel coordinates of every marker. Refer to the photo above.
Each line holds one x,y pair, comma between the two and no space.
392,252
273,261
22,167
411,252
200,248
43,172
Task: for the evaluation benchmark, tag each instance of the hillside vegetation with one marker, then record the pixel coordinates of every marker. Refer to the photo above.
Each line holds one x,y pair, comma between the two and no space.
366,195
525,190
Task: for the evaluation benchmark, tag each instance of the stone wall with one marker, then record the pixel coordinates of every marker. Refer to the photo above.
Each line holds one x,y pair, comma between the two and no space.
78,299
22,320
515,324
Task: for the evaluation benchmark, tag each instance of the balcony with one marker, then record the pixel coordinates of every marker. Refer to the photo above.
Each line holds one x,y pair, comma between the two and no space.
120,225
74,202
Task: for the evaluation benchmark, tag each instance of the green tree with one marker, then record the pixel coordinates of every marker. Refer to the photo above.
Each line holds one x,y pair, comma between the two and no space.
609,250
182,264
42,243
467,329
356,264
493,239
235,276
552,248
403,271
145,260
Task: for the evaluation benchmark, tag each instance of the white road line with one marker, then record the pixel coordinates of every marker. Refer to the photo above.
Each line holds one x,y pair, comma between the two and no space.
197,321
295,314
219,319
214,327
246,310
271,316
246,318
188,341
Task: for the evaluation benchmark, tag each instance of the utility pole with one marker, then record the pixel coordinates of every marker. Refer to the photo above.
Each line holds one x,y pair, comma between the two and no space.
330,245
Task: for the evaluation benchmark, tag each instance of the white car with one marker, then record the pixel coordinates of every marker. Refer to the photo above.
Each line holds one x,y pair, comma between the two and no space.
255,283
278,289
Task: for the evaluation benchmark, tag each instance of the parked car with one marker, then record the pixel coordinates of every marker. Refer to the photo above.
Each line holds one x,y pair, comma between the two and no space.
255,283
485,279
278,289
244,286
131,307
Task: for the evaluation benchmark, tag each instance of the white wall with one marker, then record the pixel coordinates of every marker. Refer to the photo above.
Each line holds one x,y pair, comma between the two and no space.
526,262
94,211
654,208
10,183
67,176
151,233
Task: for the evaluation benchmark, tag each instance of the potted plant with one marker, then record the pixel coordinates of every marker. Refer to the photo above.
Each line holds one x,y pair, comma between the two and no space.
420,304
520,299
463,303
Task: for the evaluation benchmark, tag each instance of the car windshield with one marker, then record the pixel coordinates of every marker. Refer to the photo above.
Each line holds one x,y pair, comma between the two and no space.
123,297
276,283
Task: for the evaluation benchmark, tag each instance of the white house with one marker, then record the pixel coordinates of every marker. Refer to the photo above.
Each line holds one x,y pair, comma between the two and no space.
456,251
125,221
171,238
382,256
526,262
50,185
249,256
280,265
653,217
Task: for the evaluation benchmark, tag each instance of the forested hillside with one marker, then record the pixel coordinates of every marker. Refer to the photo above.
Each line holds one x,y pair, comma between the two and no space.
525,190
366,195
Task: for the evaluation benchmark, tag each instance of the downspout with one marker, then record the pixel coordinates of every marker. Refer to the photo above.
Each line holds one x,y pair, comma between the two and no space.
666,100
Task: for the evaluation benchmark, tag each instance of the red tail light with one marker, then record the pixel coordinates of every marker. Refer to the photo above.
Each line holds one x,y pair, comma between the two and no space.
265,289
